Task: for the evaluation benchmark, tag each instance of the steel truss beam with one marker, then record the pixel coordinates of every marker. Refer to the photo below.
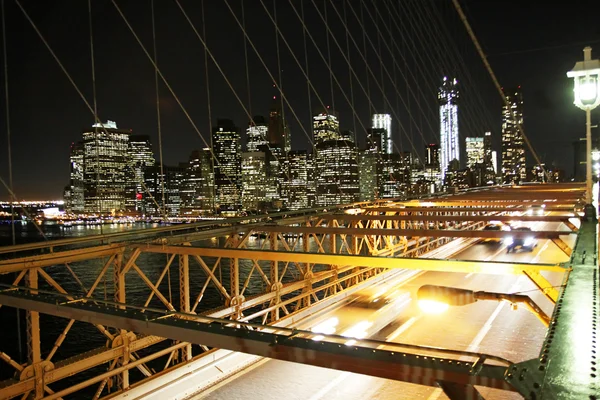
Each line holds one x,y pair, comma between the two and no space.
398,365
358,232
449,218
486,267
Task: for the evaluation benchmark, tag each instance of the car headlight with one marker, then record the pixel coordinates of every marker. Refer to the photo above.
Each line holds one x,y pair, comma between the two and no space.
508,241
528,241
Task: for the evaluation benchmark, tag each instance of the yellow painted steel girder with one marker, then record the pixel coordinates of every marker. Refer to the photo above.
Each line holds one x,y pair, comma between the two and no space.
46,260
484,208
520,218
413,232
425,264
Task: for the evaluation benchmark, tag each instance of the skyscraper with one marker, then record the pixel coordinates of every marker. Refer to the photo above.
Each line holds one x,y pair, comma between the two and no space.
449,145
199,184
336,173
227,150
298,187
475,151
514,169
75,202
325,127
257,132
432,156
140,157
384,121
278,132
106,162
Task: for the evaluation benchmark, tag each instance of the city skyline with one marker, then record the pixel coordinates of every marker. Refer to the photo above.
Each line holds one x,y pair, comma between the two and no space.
127,94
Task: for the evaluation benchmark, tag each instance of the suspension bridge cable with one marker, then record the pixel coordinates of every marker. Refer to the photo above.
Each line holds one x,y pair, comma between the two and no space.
216,63
443,57
444,46
364,37
381,62
68,76
8,137
245,59
306,70
456,57
95,104
158,124
394,60
370,71
207,82
497,84
9,159
250,41
328,47
350,78
301,18
279,72
186,113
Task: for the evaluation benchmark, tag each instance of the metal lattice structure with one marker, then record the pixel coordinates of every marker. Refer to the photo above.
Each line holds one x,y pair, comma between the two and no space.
170,296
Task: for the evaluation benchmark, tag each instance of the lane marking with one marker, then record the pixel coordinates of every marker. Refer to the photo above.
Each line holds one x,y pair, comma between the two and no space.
480,335
329,386
411,321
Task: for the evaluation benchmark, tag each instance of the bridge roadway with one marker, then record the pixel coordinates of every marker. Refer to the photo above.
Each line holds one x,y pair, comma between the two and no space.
486,327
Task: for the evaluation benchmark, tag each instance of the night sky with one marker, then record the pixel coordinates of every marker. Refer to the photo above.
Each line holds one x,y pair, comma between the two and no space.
408,47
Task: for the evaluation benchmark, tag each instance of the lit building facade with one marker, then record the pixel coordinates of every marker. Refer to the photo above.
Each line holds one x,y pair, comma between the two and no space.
172,179
336,173
254,180
326,127
106,162
299,180
141,156
475,151
198,190
514,170
368,174
257,133
75,202
278,131
384,121
228,164
449,144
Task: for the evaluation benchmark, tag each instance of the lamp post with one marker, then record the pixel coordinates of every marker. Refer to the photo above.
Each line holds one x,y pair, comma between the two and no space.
435,299
587,97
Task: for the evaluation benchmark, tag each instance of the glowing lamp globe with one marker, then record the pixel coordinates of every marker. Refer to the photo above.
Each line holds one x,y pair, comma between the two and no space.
586,75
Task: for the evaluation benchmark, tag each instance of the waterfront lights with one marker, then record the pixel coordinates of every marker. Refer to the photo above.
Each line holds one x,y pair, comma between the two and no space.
434,299
586,74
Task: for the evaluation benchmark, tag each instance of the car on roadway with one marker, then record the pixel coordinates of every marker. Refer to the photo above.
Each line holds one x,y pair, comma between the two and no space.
527,243
536,209
494,226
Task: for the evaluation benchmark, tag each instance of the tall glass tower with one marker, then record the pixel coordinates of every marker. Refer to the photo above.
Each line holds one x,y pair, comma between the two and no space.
449,145
513,145
384,121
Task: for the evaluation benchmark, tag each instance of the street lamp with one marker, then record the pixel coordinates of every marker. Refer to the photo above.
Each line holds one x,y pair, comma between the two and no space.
435,299
587,97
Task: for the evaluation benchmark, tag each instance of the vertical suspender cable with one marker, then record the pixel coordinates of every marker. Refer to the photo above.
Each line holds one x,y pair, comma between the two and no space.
328,55
350,75
279,71
487,65
310,110
208,99
10,175
96,120
158,124
247,66
364,35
